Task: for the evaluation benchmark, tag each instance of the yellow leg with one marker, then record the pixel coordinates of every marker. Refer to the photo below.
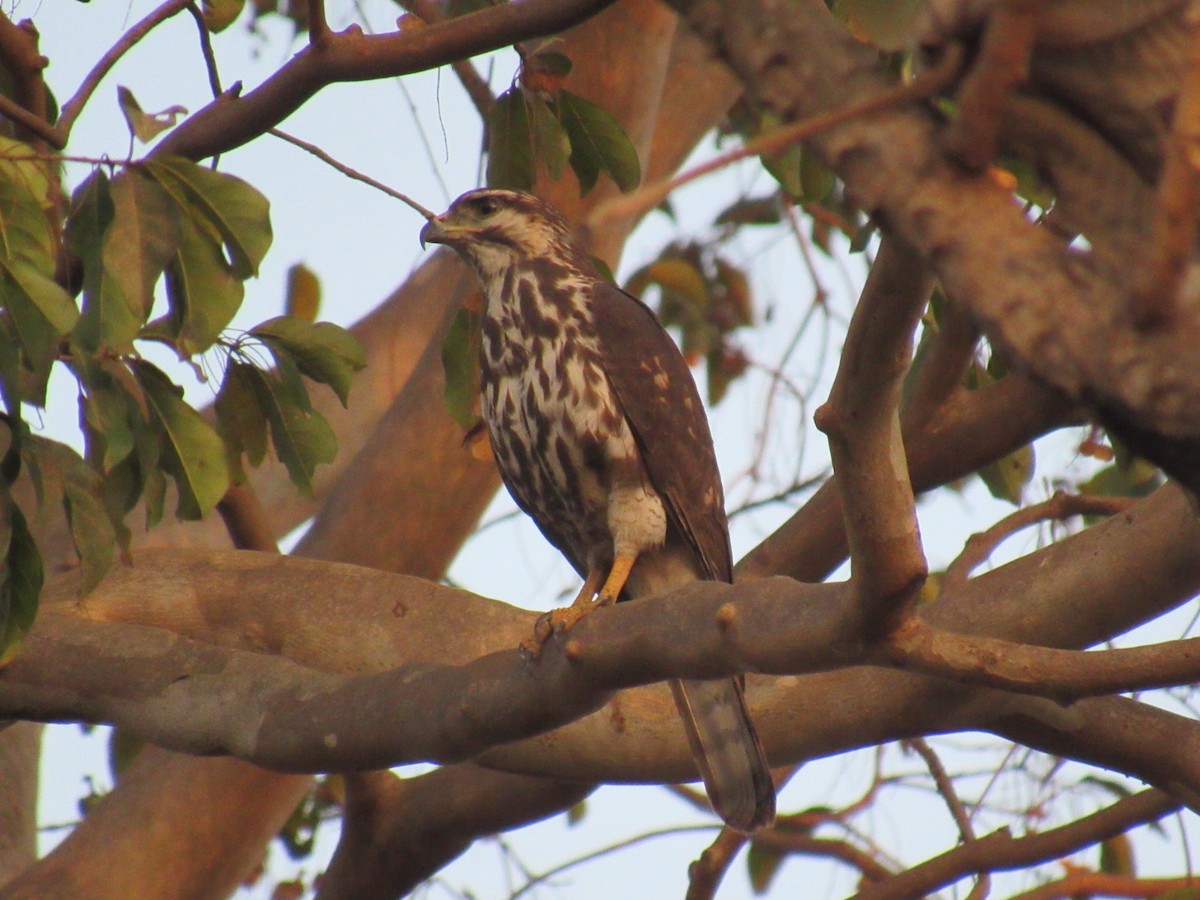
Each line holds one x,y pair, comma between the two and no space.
565,619
617,576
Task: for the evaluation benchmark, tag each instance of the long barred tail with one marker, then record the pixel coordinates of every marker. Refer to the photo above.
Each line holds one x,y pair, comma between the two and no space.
727,751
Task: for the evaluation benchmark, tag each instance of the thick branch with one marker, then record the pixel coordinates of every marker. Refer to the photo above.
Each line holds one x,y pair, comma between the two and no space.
1061,313
399,832
862,420
463,688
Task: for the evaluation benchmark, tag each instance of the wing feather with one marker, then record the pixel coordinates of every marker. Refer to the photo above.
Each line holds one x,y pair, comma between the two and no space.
660,401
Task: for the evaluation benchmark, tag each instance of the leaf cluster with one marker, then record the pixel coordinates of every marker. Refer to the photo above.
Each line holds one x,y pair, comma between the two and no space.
538,121
200,234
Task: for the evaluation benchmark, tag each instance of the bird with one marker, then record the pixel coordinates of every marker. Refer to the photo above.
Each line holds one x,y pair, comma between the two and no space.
600,436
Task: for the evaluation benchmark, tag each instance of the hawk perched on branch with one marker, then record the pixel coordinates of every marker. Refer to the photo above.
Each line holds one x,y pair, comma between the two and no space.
600,436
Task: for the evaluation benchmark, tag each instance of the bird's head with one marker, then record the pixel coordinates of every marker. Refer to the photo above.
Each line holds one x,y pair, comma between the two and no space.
495,229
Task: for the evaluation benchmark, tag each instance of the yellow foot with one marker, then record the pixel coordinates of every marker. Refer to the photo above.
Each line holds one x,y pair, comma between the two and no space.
559,621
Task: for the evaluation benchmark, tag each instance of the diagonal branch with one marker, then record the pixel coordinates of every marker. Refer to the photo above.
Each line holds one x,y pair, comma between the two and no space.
1000,851
232,120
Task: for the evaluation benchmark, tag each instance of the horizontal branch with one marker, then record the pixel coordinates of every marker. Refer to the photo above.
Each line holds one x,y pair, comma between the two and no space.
307,666
1045,671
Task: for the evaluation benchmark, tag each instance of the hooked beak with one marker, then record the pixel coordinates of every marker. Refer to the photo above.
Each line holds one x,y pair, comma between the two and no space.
437,231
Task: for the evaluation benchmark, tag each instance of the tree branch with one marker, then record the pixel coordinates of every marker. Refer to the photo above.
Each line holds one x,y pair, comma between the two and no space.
74,106
1000,851
230,121
398,832
462,688
862,421
1061,313
971,430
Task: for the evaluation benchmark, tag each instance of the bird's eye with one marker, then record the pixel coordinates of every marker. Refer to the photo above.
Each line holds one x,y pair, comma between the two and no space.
486,206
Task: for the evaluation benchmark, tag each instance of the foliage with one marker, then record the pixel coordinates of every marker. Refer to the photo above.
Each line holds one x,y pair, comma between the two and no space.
129,228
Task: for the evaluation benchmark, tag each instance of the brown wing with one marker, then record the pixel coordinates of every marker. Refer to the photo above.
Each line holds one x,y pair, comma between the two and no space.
659,398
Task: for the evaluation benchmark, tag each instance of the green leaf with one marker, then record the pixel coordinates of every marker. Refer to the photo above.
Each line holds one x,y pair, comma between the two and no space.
220,14
783,166
554,62
21,583
1116,856
95,522
460,363
303,293
26,232
576,813
125,232
816,179
751,211
41,313
550,141
143,125
597,144
323,351
240,419
302,439
240,214
203,293
888,24
1007,477
193,454
762,863
510,143
106,411
10,371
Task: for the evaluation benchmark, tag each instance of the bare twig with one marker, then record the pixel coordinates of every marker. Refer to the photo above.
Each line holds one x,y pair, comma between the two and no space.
351,173
351,55
473,83
1102,884
604,851
705,874
999,851
942,370
785,842
651,195
74,106
1060,506
945,787
206,50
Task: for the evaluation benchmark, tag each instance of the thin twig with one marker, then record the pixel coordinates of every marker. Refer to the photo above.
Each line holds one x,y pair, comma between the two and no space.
651,195
206,50
1060,506
74,106
945,787
473,83
705,874
604,851
999,851
351,173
